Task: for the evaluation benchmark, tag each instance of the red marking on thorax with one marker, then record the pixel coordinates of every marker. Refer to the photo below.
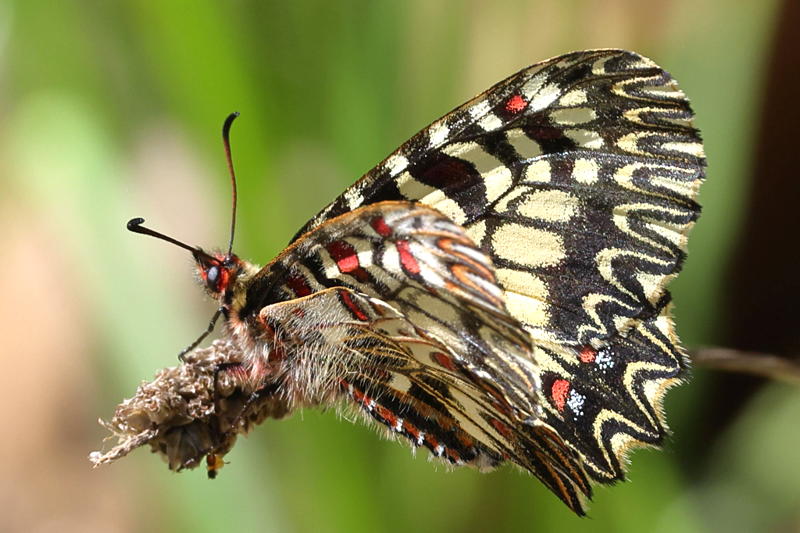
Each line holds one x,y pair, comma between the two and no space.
224,279
516,103
588,354
407,260
299,285
381,227
559,392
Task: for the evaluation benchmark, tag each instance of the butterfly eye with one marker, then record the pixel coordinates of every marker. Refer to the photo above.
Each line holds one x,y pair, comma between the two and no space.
212,275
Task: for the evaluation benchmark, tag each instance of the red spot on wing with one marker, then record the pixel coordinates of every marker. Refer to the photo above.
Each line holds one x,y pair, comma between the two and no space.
360,397
465,440
387,416
516,103
452,455
407,260
501,428
357,312
299,285
559,392
411,430
443,360
381,227
346,258
588,354
344,254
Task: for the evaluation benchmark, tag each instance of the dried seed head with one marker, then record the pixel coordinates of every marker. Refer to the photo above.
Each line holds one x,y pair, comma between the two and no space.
190,411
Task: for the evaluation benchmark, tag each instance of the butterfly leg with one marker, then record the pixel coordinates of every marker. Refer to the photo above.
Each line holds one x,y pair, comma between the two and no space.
206,333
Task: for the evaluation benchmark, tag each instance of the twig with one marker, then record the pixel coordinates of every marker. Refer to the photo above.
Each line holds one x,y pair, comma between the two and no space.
755,363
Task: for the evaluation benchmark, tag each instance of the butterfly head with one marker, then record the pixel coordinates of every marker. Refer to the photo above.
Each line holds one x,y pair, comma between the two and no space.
218,272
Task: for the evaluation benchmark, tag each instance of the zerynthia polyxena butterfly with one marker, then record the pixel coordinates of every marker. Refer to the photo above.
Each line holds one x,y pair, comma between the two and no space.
493,291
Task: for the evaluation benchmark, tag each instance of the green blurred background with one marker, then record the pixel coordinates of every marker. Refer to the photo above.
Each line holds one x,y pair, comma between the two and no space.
110,110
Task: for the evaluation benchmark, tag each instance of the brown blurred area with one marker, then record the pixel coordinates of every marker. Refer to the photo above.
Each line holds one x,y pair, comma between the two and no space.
762,300
762,284
46,399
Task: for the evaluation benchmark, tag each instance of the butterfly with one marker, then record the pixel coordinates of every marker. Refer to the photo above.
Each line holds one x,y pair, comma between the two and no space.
495,290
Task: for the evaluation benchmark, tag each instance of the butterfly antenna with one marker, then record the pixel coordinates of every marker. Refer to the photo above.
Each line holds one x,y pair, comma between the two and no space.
135,225
226,132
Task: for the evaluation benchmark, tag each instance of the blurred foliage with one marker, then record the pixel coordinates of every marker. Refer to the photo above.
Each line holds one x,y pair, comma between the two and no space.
112,110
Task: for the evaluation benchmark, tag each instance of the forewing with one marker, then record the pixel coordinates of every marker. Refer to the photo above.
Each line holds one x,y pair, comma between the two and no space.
576,175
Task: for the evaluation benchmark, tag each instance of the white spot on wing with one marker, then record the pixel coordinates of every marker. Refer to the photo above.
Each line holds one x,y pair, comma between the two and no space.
526,295
490,122
438,134
479,110
574,97
431,196
538,172
400,383
528,246
573,115
396,164
353,197
550,205
630,142
526,147
585,171
599,66
544,97
670,91
585,138
695,149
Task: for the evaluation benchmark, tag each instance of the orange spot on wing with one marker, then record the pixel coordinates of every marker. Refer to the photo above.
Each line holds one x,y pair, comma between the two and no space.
299,285
411,430
347,300
407,259
444,361
501,428
559,392
588,354
381,227
516,103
